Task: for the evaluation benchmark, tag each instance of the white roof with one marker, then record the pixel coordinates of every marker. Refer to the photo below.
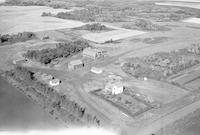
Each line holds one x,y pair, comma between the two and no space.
91,51
76,62
96,70
55,81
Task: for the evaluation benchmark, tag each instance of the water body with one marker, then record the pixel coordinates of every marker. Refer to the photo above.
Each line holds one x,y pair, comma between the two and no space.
17,112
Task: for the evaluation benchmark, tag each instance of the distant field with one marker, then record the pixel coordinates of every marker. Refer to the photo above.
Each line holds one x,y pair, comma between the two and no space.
112,35
186,0
190,4
14,19
192,20
2,1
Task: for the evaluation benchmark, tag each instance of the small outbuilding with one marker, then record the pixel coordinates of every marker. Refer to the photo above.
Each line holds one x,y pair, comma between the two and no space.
96,70
54,82
75,64
93,53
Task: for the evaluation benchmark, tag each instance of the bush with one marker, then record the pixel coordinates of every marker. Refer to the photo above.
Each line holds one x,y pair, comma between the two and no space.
45,56
20,37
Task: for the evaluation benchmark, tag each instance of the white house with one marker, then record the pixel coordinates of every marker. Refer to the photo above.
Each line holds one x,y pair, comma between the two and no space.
114,88
54,82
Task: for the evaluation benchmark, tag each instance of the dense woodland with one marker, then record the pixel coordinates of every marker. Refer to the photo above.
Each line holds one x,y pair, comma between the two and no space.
161,65
45,56
94,27
63,106
20,37
145,25
103,12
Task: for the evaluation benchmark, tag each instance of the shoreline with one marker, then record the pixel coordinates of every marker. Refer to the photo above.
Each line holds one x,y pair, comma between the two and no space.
30,98
77,116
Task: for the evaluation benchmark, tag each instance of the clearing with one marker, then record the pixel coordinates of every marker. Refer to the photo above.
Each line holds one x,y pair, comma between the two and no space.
112,35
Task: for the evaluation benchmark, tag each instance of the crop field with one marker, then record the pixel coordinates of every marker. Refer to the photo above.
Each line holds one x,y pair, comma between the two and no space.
194,84
112,35
191,79
14,19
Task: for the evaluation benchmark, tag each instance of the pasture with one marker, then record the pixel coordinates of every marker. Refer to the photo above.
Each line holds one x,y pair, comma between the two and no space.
111,35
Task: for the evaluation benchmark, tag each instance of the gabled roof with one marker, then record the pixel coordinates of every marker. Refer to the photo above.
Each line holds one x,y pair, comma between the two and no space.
91,51
76,62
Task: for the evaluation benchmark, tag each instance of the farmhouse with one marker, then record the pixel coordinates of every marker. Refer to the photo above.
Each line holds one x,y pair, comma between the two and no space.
114,88
75,64
93,53
54,82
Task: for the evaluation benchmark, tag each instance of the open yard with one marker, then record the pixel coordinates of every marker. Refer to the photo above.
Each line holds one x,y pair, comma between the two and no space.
158,91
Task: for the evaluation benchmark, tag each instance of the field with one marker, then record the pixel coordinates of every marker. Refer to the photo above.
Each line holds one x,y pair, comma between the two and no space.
192,20
190,79
112,35
29,19
189,4
161,92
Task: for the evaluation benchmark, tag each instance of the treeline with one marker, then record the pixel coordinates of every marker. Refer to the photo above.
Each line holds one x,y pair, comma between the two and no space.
94,27
101,12
20,37
60,106
45,56
142,24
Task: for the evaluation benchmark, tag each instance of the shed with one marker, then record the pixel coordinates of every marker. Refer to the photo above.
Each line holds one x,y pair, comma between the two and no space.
54,82
75,64
93,53
96,70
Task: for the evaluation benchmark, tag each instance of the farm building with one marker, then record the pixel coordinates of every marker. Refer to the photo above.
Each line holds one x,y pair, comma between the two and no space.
75,64
93,53
114,88
54,82
96,70
46,77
